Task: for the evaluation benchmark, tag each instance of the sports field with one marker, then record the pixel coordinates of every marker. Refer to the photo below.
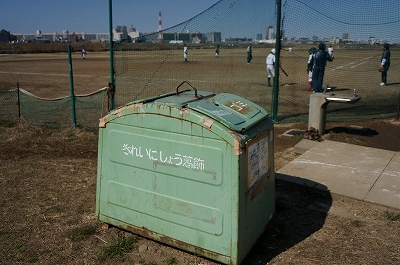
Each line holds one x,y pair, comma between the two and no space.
143,73
47,74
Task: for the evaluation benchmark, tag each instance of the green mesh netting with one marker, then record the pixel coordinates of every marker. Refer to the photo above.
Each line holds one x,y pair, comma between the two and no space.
53,113
152,65
9,104
356,31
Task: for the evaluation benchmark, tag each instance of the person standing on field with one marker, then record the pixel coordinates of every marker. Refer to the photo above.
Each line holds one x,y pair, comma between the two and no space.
385,63
217,51
330,50
310,65
83,53
185,52
320,58
270,61
249,54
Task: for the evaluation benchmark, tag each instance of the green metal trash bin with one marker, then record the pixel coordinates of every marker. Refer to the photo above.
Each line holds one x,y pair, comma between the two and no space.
190,169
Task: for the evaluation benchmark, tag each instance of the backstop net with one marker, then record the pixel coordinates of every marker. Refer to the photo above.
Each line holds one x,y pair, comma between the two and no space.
217,40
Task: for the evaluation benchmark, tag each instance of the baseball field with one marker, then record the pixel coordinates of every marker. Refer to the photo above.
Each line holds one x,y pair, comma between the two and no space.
143,73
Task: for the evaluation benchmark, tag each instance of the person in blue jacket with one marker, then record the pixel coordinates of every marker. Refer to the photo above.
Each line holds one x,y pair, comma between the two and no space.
320,57
385,63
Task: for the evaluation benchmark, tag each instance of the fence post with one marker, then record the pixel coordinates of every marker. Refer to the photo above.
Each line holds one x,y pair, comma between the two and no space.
71,83
275,88
398,108
112,81
18,102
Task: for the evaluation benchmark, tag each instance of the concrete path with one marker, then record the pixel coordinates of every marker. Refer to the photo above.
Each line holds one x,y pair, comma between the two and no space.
362,173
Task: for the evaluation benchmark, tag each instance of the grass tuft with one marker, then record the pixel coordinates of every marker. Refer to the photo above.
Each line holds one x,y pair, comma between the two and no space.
117,248
8,123
80,233
172,261
394,217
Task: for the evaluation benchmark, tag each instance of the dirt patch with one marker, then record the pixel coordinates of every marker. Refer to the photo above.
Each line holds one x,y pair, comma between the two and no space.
48,187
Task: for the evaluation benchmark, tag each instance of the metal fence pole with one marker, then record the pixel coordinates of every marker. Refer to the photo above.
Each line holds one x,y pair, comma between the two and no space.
275,89
112,80
71,83
398,109
18,102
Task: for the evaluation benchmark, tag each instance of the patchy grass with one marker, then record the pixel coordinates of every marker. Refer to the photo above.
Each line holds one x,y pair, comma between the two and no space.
391,216
80,233
118,248
47,199
8,123
172,261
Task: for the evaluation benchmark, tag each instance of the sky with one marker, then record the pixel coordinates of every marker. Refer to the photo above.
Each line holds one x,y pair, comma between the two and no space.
92,16
361,19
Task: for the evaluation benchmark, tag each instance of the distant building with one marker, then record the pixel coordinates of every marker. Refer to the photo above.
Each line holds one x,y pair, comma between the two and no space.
121,29
270,33
41,40
134,34
169,37
103,37
120,33
213,37
185,37
5,36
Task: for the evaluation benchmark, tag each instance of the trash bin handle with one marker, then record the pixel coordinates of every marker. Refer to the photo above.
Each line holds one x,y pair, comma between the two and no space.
192,86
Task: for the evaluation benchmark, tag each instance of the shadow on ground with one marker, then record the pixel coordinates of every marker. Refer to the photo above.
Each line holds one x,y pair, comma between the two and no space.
354,130
301,210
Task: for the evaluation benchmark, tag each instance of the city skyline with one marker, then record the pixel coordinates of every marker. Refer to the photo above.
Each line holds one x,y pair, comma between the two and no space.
299,18
26,16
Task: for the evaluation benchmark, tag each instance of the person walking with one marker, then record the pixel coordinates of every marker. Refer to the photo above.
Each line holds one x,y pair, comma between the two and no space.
185,52
385,63
270,61
249,54
320,58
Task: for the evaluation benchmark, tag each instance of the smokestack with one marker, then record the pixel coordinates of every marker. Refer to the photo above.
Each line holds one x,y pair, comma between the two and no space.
160,37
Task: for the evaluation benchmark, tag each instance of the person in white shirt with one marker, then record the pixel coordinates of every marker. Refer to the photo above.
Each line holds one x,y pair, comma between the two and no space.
84,53
185,52
310,65
330,50
270,61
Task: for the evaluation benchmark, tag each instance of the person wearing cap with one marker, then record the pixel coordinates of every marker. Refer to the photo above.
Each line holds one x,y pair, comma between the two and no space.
320,57
270,61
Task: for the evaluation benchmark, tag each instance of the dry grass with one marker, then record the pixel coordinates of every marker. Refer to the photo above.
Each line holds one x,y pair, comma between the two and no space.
48,185
48,180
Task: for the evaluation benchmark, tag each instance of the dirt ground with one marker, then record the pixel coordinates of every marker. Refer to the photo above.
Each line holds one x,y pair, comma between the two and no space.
48,180
48,189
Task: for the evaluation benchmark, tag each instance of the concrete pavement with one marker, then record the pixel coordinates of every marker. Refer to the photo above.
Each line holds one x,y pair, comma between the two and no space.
362,173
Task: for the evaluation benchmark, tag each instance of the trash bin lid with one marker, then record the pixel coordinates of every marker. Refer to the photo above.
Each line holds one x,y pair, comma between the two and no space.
181,99
233,111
